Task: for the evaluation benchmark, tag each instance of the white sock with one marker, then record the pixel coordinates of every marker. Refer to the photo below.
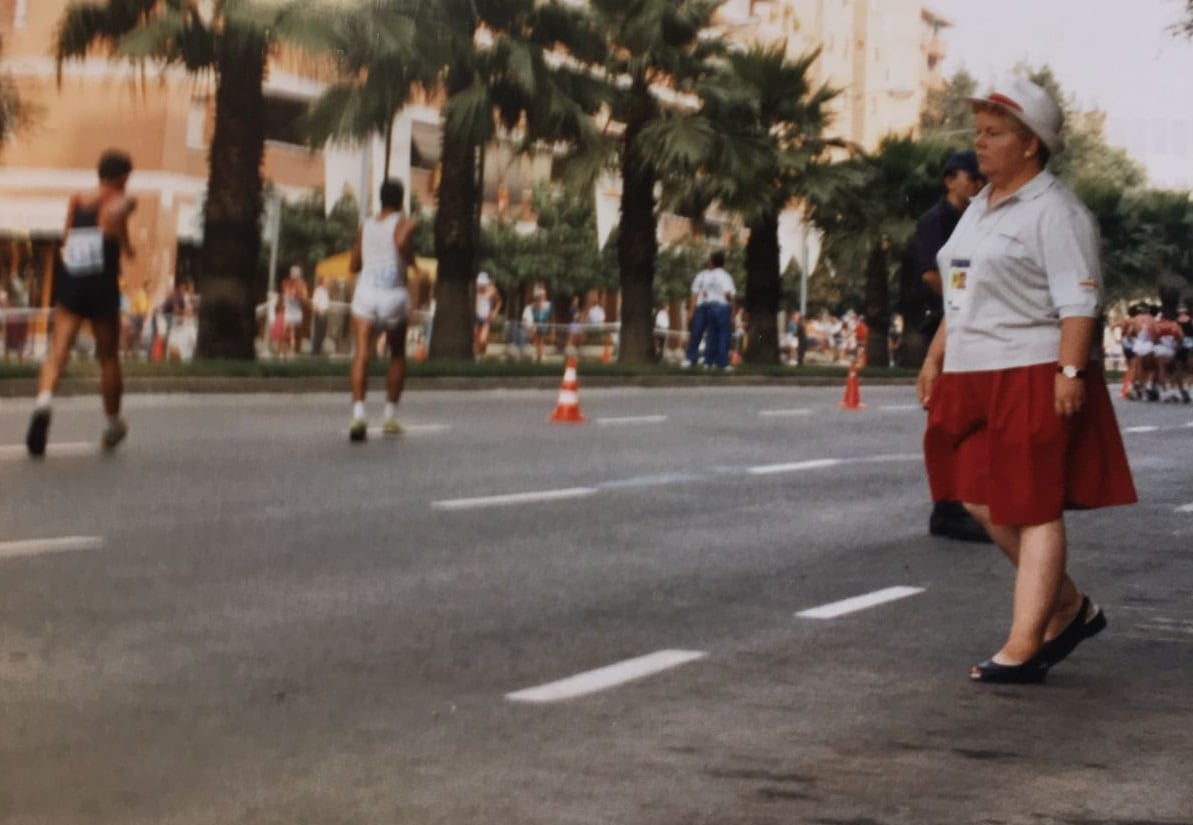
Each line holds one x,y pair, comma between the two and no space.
390,410
358,411
43,400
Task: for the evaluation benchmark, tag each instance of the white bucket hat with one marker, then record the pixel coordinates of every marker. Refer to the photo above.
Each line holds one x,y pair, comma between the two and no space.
483,279
1032,106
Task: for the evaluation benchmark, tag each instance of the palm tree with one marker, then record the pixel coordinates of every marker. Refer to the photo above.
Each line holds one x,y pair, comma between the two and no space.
866,223
504,71
15,113
659,51
232,40
757,145
376,50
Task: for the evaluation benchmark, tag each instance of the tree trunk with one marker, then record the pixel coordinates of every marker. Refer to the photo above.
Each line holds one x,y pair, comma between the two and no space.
229,285
878,305
455,245
763,291
636,250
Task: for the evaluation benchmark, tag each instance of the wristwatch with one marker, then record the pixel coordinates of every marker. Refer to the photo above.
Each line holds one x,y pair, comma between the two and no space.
1069,371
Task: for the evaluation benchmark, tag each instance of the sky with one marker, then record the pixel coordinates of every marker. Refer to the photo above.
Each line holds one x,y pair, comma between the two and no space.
1113,55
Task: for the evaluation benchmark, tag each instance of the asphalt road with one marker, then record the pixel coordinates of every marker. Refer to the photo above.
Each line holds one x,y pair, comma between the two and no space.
240,618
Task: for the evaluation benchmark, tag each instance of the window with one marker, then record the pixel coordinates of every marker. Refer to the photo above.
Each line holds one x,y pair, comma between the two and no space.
196,125
282,115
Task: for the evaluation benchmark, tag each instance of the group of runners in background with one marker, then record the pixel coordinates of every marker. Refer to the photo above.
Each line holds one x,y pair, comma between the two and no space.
1156,349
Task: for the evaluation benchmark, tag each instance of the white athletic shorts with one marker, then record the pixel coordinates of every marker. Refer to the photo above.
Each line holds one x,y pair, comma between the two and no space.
1143,348
383,308
1165,351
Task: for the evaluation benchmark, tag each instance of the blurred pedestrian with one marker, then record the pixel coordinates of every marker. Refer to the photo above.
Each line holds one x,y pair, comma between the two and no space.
710,312
320,306
962,181
87,289
294,298
488,303
540,319
1020,424
381,254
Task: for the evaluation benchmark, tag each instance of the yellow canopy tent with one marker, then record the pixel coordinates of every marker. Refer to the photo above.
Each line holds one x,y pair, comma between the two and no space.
419,279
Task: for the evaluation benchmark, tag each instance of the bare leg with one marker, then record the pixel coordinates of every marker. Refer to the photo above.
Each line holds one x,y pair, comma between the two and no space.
1009,540
66,327
362,333
107,340
395,378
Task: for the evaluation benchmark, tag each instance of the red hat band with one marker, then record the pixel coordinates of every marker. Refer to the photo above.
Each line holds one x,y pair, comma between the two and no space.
1003,100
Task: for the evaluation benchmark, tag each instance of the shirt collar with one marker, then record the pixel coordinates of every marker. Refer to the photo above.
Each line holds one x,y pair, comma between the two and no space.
1031,190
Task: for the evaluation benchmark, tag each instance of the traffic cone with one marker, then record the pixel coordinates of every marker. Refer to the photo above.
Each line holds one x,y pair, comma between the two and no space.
735,359
853,391
607,354
420,351
567,409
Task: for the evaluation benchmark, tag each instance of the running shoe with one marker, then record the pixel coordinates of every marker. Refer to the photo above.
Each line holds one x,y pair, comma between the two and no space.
358,430
114,433
39,430
392,427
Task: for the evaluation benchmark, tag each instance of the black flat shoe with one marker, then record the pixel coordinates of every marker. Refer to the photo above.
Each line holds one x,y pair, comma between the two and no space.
1089,621
39,429
1031,672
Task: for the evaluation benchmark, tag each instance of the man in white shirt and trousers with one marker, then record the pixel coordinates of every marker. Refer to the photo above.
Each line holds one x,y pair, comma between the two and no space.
711,313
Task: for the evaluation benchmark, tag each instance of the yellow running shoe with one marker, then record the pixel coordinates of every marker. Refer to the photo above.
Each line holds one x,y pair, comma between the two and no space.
392,427
358,430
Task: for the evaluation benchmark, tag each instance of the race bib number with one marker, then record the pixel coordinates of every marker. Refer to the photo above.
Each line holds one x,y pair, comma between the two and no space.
958,286
83,252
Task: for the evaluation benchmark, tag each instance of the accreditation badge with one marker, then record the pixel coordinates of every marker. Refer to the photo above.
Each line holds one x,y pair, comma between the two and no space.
957,291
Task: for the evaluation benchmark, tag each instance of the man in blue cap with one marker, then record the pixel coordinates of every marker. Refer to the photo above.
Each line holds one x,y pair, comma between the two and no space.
962,181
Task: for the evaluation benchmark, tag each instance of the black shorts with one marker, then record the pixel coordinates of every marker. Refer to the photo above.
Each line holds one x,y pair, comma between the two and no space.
91,297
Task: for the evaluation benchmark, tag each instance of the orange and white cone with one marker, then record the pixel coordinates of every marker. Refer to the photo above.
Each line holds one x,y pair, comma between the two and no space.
420,351
607,354
853,391
567,409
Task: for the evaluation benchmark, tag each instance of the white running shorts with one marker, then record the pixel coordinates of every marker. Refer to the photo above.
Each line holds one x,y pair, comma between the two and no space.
383,308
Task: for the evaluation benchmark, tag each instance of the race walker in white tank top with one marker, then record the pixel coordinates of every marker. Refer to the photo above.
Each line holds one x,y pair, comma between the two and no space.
381,295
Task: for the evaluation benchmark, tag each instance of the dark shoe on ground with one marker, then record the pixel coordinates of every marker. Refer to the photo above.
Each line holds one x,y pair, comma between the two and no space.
951,520
39,430
1031,672
1089,621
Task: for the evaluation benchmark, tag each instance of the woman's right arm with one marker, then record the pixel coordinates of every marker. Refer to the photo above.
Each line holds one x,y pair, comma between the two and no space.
933,364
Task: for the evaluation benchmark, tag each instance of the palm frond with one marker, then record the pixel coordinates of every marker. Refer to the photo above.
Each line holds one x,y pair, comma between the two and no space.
469,114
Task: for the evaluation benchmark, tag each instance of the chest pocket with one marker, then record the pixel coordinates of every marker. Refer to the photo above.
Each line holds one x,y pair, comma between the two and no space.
83,252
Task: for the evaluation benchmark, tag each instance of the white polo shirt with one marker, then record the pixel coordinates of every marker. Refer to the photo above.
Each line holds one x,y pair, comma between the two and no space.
1012,272
712,285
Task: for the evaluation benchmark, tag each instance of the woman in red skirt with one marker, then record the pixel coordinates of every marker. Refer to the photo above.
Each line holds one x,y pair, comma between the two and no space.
1020,425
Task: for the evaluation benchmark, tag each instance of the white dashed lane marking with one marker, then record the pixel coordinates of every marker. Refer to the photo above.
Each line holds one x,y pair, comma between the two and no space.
631,419
14,452
856,603
39,547
793,466
1185,508
603,678
510,499
784,413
